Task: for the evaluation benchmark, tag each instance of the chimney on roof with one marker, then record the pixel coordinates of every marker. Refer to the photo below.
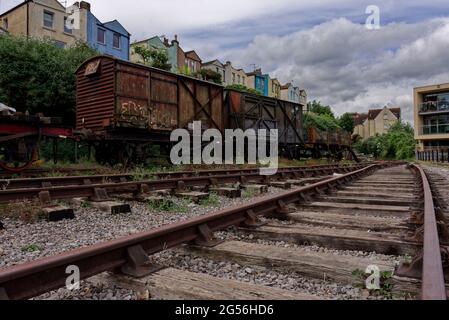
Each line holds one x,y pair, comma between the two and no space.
166,43
85,5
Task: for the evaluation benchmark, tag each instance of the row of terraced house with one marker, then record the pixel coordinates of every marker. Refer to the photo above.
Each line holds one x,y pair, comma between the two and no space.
47,19
181,60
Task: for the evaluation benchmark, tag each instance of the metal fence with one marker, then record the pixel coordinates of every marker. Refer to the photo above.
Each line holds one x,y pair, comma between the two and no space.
434,155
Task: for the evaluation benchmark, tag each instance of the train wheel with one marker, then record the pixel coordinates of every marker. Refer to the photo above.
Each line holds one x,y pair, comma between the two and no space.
12,160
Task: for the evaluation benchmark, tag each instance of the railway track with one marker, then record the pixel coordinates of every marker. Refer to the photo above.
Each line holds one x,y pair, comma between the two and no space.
58,188
330,231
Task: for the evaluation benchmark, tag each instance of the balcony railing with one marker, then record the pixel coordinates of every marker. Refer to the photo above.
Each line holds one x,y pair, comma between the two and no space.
434,106
435,129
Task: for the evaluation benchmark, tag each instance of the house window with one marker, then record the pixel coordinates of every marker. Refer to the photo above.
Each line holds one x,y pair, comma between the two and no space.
238,79
233,77
5,23
48,19
244,81
101,36
116,41
68,25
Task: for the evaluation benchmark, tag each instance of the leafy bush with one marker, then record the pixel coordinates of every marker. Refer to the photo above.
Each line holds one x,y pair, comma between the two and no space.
320,109
157,58
320,121
38,77
209,75
242,88
399,143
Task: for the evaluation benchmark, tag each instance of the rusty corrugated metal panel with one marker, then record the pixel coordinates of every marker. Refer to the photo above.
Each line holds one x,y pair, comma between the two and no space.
95,93
137,96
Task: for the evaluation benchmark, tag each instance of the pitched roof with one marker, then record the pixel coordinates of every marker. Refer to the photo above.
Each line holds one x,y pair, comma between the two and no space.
14,8
193,55
359,118
212,62
372,114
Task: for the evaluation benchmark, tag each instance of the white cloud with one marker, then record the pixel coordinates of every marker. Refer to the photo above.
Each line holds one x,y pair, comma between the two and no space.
351,68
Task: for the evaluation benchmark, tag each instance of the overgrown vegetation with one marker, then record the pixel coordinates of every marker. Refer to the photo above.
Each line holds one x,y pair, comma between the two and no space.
323,118
209,75
31,248
242,88
385,282
26,210
157,58
399,143
167,205
211,201
38,77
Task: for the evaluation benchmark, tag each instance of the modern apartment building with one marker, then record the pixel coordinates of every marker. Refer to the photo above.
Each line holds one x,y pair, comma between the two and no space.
431,113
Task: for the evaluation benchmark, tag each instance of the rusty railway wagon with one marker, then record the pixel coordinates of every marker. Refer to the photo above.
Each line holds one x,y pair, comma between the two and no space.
250,111
122,108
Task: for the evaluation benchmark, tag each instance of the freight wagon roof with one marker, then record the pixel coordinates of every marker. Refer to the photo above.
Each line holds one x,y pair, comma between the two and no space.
263,97
141,66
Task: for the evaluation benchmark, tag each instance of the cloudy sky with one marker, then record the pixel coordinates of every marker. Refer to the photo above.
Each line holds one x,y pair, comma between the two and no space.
322,45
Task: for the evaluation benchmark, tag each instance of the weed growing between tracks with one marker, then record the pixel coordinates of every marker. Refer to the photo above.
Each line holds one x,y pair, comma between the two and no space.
166,205
26,210
31,248
211,201
386,283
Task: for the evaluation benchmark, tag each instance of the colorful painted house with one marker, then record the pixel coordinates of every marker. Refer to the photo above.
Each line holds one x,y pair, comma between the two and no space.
216,66
234,75
49,19
109,38
274,88
258,81
156,43
291,93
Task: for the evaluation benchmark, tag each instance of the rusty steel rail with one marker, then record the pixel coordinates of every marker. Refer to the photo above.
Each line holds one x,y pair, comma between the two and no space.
89,189
19,183
130,254
433,283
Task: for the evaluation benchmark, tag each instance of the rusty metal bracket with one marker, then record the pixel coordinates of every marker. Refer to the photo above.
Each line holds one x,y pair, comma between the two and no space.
252,221
417,218
305,197
180,185
45,198
416,236
206,237
213,182
3,294
138,263
411,270
100,194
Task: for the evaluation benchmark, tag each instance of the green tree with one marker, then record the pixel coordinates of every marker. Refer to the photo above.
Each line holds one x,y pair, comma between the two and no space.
38,77
157,58
346,122
398,143
322,122
320,109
